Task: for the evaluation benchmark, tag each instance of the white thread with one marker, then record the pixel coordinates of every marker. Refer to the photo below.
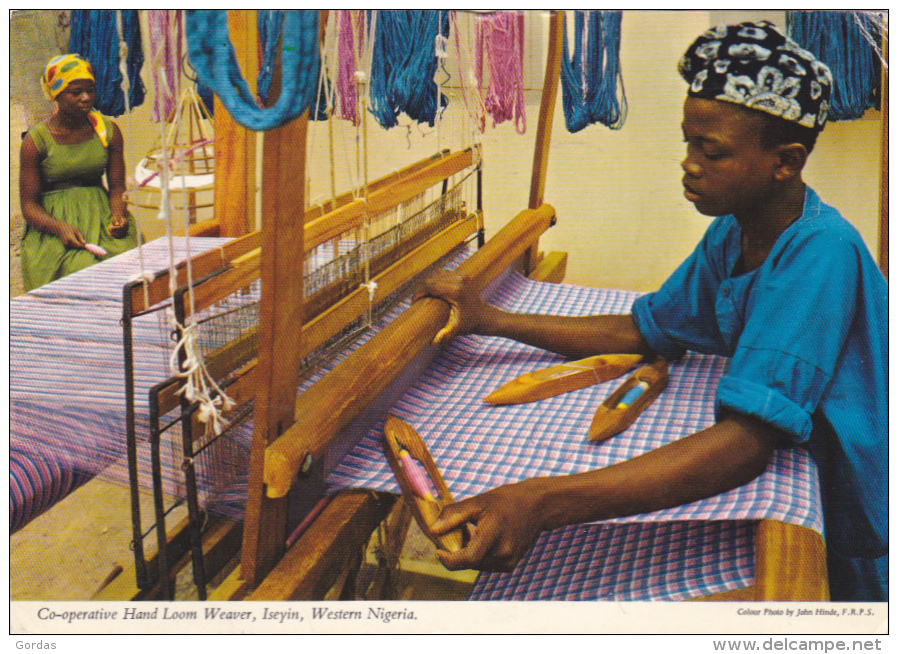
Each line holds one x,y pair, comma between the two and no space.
142,276
198,384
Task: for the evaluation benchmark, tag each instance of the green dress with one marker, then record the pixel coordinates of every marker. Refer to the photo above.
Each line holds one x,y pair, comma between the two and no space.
73,192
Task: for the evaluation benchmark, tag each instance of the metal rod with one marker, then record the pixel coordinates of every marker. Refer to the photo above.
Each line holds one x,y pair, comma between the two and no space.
140,564
195,515
165,583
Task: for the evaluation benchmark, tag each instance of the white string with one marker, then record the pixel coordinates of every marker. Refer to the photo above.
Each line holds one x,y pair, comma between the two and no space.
126,88
198,385
440,42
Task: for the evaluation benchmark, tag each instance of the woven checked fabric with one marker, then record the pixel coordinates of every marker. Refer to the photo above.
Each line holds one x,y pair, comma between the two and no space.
689,551
479,446
650,561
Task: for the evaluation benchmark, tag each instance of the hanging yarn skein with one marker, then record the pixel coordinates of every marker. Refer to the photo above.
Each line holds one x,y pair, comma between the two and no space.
94,36
270,23
349,48
212,56
591,77
404,64
850,43
500,40
165,34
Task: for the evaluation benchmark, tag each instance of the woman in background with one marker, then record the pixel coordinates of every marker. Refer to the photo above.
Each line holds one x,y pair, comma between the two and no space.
71,219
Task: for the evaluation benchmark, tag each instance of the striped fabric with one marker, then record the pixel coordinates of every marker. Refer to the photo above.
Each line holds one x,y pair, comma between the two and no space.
67,392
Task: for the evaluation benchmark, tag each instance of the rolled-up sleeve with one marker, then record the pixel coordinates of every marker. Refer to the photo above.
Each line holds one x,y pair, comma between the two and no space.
797,324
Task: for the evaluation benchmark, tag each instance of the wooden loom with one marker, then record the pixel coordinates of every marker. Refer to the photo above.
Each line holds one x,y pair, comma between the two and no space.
294,433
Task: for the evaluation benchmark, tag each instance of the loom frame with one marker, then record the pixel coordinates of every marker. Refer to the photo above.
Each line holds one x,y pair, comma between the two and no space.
315,562
239,266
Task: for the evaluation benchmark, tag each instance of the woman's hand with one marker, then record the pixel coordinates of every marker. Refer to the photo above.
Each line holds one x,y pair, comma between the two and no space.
467,309
506,524
70,236
118,228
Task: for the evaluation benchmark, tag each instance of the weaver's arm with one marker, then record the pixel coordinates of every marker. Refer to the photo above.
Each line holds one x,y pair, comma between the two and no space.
509,519
115,177
575,337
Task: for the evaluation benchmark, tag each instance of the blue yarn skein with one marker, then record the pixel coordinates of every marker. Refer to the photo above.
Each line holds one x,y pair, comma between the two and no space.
837,39
212,56
589,83
94,35
270,23
404,64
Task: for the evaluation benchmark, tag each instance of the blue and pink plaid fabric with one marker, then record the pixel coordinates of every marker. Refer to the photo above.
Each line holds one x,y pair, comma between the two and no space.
479,446
67,399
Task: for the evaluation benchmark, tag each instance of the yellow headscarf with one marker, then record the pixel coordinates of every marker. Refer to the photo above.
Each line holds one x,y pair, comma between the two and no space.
62,71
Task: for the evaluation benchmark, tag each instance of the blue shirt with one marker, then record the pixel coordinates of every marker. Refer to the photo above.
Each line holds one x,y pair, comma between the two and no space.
807,333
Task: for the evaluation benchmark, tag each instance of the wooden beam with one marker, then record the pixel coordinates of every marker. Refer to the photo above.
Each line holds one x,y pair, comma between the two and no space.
547,110
790,563
235,145
551,268
332,542
529,259
331,403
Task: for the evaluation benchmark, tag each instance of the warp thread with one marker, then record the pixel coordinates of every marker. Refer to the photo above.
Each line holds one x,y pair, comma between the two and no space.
477,112
94,36
850,43
215,62
591,79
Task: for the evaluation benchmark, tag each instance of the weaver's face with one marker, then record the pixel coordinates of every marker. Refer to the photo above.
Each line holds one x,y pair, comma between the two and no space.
727,170
78,97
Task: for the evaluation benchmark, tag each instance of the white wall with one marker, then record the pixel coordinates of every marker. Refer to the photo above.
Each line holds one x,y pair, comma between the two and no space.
621,213
622,217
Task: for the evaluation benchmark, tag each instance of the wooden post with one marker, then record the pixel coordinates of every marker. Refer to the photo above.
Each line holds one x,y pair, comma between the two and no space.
544,126
547,110
280,329
235,146
884,180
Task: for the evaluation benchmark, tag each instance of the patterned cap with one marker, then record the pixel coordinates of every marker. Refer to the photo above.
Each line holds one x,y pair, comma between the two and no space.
757,66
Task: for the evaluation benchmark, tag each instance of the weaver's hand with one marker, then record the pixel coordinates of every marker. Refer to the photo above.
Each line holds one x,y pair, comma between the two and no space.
70,236
506,524
118,228
466,306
